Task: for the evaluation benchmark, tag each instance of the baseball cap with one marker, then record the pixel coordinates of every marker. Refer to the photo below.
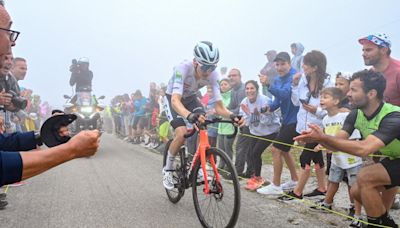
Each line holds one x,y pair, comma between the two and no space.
345,75
284,56
380,39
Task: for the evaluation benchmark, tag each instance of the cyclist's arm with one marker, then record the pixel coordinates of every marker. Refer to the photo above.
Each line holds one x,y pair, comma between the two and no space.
178,106
221,109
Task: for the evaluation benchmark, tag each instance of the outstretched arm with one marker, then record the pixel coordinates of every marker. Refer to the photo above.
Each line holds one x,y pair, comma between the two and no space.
360,148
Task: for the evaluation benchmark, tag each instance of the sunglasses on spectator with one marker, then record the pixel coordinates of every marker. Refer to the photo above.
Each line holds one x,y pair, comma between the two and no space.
207,68
13,34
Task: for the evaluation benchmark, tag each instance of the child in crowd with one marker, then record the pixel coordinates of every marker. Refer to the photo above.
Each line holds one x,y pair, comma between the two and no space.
342,163
306,89
225,142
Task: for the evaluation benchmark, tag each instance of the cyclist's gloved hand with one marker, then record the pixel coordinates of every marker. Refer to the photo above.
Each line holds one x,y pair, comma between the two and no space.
193,117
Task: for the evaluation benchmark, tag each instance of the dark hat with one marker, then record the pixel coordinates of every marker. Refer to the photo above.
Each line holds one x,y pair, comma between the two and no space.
49,131
283,56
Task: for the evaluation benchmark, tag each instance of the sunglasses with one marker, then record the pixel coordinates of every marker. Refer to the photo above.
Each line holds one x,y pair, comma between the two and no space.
207,68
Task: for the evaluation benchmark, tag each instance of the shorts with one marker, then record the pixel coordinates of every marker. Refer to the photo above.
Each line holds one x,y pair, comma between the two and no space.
393,169
137,123
307,156
192,104
286,135
336,174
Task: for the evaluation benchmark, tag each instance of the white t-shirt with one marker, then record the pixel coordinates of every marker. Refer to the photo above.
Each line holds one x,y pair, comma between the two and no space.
332,125
184,83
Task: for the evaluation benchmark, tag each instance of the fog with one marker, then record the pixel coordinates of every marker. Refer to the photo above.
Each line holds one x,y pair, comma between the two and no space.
131,43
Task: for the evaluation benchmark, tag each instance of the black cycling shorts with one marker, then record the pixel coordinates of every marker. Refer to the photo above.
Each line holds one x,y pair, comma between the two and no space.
192,104
307,156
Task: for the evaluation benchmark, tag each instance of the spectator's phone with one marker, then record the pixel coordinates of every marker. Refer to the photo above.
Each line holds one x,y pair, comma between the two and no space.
264,109
303,101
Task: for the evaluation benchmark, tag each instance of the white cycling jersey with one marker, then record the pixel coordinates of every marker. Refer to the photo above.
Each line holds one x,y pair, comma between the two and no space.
184,83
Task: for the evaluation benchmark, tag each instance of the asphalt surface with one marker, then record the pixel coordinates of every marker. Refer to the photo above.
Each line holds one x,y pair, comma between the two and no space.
121,187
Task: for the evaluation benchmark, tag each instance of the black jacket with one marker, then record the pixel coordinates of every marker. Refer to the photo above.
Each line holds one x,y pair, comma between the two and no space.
83,81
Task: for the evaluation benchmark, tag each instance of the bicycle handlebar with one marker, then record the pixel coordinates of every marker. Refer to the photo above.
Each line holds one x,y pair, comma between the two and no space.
203,125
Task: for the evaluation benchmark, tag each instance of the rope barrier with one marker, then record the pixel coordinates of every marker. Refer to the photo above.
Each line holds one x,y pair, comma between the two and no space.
307,202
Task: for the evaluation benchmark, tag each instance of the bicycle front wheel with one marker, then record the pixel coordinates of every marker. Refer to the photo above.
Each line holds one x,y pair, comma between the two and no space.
219,208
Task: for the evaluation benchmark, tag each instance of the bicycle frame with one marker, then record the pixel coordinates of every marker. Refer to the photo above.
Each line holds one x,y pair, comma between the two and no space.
203,146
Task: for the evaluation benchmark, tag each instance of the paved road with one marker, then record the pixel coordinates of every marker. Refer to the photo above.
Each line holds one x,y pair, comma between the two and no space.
121,187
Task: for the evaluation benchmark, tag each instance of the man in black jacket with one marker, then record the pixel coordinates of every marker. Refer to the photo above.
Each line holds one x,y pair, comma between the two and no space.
81,76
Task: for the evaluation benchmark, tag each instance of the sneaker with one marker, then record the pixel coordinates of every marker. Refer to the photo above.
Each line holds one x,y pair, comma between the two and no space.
3,204
352,211
254,183
155,145
357,223
3,196
290,185
321,206
315,192
251,180
168,179
149,145
17,184
270,190
291,196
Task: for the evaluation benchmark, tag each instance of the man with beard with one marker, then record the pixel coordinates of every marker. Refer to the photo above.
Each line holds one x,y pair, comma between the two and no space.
378,123
376,53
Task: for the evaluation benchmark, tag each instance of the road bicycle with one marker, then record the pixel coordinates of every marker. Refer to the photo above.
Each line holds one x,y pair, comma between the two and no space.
217,200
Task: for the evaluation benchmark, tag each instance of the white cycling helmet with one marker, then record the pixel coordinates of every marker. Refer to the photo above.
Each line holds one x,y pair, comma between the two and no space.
206,53
83,60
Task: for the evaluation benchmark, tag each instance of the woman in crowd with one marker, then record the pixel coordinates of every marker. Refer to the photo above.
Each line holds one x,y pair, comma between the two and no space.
263,125
306,89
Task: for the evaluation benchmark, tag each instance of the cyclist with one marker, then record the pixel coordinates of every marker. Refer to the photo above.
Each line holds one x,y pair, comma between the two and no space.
182,101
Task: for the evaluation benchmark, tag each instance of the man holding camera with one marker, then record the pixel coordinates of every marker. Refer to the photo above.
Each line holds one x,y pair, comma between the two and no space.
10,99
81,76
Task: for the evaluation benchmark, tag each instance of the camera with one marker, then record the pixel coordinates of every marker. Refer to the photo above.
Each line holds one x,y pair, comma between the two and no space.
75,66
18,101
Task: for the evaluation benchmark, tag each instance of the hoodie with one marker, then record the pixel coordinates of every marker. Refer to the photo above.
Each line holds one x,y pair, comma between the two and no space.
297,59
301,91
260,124
282,91
269,68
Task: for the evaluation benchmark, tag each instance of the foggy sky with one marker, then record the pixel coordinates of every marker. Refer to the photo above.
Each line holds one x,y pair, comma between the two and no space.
131,43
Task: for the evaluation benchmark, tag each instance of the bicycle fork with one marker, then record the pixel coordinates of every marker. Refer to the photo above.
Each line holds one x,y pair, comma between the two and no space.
203,146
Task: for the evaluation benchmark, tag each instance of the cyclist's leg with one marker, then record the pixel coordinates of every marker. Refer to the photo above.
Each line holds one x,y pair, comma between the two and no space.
178,123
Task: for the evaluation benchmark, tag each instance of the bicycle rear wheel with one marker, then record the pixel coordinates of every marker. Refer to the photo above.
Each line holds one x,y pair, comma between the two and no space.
219,208
178,191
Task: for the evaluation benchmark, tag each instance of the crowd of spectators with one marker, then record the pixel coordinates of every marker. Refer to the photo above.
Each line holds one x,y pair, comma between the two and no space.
291,93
